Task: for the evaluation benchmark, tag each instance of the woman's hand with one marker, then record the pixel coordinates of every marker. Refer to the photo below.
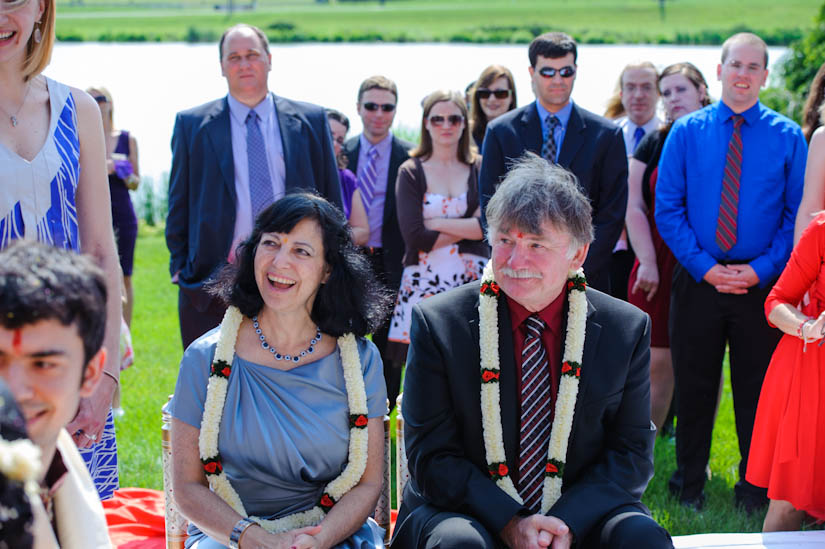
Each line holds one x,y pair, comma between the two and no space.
647,280
87,426
814,330
305,538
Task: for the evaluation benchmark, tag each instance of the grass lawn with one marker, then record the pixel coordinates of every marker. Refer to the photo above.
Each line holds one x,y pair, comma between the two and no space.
595,21
147,384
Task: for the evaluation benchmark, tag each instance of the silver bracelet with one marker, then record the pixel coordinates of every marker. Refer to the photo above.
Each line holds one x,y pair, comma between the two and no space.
237,532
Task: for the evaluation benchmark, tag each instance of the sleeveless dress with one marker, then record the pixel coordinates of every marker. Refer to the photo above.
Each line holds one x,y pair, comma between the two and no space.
437,271
649,151
787,453
124,220
38,203
284,434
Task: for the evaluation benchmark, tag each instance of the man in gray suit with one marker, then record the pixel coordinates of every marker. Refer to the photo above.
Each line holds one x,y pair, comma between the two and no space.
231,158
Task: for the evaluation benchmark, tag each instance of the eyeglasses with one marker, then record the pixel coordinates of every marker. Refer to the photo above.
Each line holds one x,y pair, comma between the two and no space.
101,99
452,120
8,6
484,93
564,72
386,107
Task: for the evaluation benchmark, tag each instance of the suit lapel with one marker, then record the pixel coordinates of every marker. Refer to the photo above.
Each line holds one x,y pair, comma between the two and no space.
573,137
290,127
531,129
397,156
592,332
509,403
218,129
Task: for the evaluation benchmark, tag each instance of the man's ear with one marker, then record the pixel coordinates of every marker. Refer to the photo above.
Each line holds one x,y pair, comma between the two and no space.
579,257
92,374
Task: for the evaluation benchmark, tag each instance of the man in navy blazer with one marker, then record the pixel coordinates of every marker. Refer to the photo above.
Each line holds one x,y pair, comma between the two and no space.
588,145
218,160
540,229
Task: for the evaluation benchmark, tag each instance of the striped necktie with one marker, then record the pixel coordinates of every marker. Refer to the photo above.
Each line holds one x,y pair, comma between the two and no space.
535,414
261,194
729,204
368,177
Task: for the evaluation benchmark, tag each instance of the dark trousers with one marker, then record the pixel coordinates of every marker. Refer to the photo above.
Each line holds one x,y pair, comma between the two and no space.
392,367
702,323
197,320
628,527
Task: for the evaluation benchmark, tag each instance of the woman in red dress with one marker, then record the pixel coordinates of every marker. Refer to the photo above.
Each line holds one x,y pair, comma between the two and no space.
683,90
787,454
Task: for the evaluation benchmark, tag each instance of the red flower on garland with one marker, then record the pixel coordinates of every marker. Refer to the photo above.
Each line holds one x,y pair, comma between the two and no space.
551,468
326,502
361,421
221,369
357,420
498,470
488,376
226,371
213,467
490,288
578,372
566,367
554,468
503,470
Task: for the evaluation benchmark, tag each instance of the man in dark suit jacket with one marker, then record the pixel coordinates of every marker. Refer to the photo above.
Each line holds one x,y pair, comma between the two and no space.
590,146
540,228
215,181
377,100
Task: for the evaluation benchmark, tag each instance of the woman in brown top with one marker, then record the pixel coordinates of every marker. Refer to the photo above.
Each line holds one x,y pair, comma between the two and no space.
438,211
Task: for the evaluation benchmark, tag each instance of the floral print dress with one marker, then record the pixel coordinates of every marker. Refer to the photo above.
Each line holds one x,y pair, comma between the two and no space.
437,271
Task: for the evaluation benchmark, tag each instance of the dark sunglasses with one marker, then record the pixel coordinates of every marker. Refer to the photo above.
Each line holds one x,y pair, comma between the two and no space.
101,99
484,93
452,120
564,72
386,107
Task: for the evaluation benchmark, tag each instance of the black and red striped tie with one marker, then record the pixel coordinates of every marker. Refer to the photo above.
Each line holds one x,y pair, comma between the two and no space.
729,205
535,414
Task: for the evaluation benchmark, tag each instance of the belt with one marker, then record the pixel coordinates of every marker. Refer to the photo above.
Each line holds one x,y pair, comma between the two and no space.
733,261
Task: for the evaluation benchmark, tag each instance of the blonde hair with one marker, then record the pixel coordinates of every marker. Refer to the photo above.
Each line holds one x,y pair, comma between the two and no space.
615,109
38,54
425,147
105,93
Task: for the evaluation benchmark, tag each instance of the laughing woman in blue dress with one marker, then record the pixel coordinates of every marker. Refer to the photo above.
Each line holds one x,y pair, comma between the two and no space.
277,433
53,188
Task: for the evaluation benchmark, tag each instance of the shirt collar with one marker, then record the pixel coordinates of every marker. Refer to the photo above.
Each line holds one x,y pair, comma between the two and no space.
751,115
239,111
648,126
563,115
551,315
382,146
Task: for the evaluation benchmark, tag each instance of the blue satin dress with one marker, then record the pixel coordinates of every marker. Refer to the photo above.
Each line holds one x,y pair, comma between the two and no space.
284,434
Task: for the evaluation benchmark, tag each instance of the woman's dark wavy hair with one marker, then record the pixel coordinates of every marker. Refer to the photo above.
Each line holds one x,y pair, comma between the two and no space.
15,527
351,300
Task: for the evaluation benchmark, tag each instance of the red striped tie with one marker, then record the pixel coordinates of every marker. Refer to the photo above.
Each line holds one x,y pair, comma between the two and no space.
535,414
729,205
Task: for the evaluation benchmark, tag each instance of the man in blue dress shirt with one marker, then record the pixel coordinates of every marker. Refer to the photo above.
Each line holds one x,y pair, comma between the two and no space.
730,181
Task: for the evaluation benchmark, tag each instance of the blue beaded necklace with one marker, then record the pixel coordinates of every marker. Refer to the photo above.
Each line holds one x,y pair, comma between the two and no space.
279,356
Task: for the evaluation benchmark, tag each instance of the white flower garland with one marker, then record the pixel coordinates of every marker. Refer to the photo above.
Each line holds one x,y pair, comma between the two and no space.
211,422
565,400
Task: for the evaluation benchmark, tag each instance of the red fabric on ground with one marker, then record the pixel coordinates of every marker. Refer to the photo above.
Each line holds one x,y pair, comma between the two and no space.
136,519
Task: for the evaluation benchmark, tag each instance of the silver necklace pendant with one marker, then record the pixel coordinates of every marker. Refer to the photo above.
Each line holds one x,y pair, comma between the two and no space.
13,121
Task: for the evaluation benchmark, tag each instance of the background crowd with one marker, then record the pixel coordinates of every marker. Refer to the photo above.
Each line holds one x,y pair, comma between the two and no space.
695,216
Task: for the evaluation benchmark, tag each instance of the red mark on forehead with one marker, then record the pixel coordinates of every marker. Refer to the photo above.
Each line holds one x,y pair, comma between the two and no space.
16,340
519,234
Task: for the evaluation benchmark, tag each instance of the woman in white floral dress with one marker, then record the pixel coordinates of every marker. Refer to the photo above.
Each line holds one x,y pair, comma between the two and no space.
438,211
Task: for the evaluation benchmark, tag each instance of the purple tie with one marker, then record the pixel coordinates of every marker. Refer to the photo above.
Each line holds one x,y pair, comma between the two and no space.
368,177
261,194
535,414
729,205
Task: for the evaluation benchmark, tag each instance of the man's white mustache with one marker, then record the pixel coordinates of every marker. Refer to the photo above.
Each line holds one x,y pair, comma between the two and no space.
521,273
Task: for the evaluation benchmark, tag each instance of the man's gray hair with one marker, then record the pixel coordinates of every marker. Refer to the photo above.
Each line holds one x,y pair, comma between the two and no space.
535,191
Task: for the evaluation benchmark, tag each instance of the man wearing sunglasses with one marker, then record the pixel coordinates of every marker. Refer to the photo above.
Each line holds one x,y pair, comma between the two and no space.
374,157
231,158
563,133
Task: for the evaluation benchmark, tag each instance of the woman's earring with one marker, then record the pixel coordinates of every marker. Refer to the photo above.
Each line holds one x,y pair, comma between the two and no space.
38,36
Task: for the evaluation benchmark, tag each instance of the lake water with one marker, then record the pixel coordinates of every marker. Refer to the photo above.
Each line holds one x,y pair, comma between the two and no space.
151,82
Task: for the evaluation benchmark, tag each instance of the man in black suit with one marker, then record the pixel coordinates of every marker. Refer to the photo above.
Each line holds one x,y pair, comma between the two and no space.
557,129
231,158
374,156
465,447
